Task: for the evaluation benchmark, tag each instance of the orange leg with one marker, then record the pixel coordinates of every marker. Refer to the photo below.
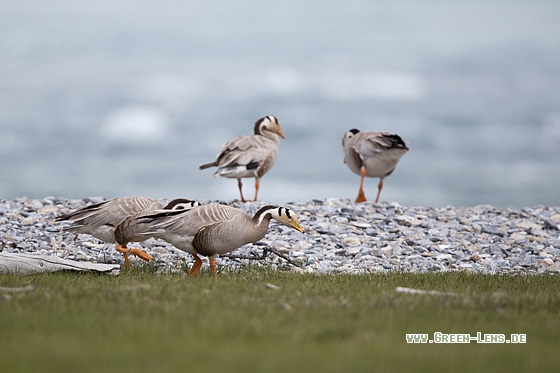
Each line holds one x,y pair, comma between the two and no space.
361,195
257,186
212,261
143,255
124,250
379,187
196,266
240,186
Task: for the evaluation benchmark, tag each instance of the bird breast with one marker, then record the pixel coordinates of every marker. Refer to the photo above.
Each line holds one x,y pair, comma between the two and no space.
226,236
104,233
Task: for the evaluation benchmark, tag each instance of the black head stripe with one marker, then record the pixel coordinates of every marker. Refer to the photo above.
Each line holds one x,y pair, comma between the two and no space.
177,201
152,217
257,128
286,211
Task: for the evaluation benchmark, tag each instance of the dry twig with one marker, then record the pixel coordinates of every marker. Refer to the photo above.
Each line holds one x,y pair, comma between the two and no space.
266,250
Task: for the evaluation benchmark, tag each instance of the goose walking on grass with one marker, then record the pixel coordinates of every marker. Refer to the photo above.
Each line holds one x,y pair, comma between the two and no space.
373,154
208,230
100,220
250,156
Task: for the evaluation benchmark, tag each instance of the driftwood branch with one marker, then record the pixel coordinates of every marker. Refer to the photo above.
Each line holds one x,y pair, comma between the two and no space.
18,289
27,264
264,255
401,289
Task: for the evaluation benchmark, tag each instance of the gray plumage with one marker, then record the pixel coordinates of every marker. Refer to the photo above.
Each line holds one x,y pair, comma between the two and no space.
128,231
250,156
372,154
213,229
100,220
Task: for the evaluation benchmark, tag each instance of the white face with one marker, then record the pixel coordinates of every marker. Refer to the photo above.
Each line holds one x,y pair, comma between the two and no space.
270,123
287,217
186,205
347,136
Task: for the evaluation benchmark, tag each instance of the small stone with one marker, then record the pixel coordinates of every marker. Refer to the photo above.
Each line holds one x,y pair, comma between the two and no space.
352,241
28,221
286,306
550,266
91,245
340,237
296,253
527,225
361,224
518,237
302,246
536,239
36,204
49,210
475,258
355,250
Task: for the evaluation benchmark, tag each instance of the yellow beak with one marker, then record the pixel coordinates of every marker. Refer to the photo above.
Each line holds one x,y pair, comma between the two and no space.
297,227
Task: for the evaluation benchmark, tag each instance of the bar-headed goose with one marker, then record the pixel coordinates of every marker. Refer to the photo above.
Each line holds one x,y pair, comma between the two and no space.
373,154
209,230
250,156
99,220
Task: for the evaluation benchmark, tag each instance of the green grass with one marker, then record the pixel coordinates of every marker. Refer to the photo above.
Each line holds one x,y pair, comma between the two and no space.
143,321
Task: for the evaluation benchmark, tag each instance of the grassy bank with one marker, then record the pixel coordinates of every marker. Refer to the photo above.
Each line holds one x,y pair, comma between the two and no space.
263,320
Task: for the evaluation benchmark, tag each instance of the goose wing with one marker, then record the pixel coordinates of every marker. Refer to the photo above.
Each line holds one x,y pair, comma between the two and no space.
377,142
371,144
190,221
110,212
133,229
246,151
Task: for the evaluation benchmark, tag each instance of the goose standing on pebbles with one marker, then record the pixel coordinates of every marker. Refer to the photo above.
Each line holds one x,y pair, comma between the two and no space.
99,220
373,154
209,230
250,156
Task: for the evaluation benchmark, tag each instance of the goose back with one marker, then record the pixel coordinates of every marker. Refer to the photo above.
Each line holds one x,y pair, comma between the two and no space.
207,230
100,219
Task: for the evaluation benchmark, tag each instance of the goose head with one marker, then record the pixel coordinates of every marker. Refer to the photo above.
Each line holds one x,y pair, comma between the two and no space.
181,204
348,135
281,214
269,123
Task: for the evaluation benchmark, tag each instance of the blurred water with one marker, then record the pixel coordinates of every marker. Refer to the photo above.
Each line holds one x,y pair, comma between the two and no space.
127,97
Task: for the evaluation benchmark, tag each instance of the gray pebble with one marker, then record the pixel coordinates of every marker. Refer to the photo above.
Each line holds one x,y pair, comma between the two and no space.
340,237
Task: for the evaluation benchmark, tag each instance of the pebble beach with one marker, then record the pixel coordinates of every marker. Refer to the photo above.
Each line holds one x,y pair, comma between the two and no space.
340,237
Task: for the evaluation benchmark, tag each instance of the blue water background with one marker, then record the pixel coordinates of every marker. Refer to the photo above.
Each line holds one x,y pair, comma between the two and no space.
112,98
